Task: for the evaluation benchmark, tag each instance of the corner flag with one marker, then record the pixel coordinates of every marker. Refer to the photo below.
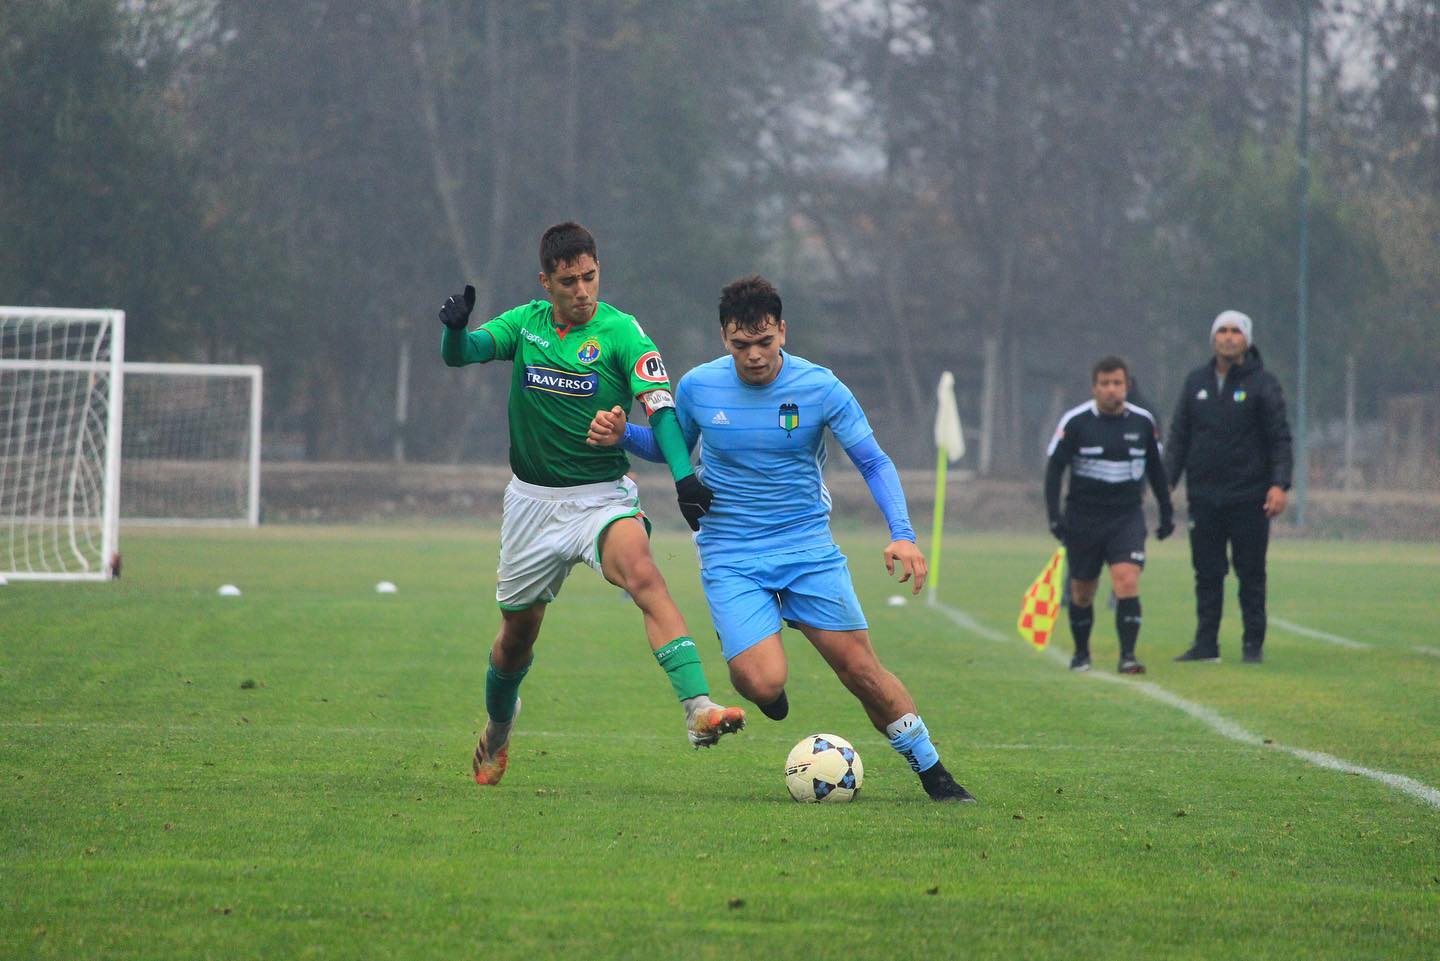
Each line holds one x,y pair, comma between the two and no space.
949,438
949,447
1041,604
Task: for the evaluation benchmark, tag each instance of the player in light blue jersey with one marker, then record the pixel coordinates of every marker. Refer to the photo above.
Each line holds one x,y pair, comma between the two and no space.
767,554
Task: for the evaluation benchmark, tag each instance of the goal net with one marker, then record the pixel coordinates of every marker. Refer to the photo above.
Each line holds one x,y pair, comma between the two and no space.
61,381
191,444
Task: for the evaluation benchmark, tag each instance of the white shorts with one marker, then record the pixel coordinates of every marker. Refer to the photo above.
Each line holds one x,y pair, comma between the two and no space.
545,530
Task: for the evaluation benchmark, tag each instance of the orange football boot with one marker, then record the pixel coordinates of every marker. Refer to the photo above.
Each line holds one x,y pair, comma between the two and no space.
489,769
709,723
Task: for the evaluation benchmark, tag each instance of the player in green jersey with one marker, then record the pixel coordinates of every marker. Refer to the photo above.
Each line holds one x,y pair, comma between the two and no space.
568,501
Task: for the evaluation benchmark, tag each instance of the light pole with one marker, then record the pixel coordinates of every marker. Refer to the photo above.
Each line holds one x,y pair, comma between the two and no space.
1301,480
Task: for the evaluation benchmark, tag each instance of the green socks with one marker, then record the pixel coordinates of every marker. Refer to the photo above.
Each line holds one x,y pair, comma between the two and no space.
682,665
501,690
679,658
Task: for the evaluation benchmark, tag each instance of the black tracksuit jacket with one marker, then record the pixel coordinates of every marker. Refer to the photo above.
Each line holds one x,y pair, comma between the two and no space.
1232,439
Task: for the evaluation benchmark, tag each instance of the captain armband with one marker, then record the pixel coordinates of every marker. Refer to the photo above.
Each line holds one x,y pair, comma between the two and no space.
654,400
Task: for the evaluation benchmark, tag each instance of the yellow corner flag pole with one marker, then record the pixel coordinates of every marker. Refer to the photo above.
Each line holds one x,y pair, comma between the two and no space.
949,447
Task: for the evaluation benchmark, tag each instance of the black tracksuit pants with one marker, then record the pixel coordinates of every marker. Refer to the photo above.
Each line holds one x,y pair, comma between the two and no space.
1246,529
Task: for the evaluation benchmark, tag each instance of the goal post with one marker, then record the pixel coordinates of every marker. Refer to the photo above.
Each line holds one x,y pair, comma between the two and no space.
191,444
89,440
61,389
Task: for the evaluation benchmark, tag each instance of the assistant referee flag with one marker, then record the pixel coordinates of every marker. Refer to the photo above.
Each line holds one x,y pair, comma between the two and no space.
1041,604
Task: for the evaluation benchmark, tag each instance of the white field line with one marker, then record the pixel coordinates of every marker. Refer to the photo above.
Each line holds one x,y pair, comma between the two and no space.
1422,649
1294,628
970,624
1228,728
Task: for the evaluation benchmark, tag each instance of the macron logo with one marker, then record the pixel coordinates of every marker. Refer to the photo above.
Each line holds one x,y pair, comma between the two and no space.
720,418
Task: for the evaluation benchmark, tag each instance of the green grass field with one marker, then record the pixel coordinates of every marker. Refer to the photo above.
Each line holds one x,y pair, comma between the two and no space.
286,774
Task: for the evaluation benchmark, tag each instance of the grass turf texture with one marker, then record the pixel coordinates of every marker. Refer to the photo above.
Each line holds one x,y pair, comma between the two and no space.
286,774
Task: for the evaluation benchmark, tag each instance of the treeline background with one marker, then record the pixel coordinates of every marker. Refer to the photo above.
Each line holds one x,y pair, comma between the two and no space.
933,184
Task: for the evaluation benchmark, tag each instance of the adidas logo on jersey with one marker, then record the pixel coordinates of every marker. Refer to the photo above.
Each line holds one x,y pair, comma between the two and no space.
719,418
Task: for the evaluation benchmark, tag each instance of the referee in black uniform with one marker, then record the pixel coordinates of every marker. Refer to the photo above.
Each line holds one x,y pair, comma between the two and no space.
1230,439
1110,447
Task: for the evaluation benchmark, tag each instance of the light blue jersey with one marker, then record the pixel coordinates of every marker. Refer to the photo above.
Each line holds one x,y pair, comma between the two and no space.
762,450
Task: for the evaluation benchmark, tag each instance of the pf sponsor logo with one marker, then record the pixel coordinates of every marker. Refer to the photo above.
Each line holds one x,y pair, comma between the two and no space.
651,368
567,383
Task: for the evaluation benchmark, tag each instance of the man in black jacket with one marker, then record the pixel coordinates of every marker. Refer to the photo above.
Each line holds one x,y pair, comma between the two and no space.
1229,433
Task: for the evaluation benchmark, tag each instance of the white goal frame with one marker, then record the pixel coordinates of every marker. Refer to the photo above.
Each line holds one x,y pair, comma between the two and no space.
256,376
113,367
64,373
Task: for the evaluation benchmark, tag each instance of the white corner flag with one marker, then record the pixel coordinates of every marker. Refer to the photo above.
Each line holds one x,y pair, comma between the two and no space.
948,435
949,447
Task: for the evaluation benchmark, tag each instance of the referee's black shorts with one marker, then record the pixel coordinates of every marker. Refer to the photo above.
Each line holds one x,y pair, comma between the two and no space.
1106,538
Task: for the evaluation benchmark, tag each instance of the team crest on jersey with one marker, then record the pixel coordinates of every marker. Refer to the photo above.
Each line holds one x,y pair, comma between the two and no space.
1137,468
789,417
1202,394
552,381
589,351
1240,396
650,367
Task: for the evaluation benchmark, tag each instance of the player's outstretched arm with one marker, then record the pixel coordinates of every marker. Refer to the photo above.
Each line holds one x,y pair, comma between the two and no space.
884,482
458,348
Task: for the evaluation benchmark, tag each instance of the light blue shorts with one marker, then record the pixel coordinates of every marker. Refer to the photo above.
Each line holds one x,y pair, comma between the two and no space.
748,597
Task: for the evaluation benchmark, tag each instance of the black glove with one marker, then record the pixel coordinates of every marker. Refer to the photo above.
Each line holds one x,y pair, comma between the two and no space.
1058,528
455,312
1166,528
694,499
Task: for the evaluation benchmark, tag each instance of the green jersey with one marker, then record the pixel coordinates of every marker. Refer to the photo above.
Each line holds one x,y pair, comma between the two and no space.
561,378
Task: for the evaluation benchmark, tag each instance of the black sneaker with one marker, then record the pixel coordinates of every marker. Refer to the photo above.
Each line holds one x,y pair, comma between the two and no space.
1080,662
1253,655
1201,655
942,787
1128,665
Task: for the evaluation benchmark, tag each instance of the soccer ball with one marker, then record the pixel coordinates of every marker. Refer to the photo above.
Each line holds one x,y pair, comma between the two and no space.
823,768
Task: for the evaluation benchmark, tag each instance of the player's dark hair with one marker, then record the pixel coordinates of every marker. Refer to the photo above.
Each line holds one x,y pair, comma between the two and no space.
565,243
1106,364
747,303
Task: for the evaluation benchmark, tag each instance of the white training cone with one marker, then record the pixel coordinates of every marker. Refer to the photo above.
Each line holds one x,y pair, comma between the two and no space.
385,587
228,590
